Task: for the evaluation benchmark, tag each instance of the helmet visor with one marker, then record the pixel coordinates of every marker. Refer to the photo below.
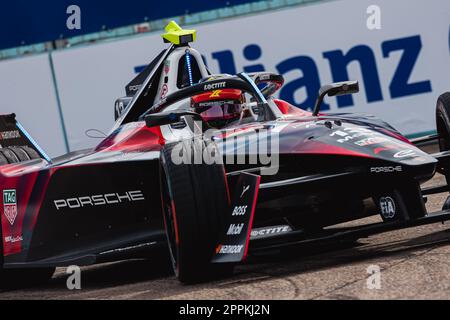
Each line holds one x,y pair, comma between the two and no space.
219,110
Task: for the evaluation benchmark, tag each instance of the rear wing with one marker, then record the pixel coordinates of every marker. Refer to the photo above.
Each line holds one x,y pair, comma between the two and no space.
12,134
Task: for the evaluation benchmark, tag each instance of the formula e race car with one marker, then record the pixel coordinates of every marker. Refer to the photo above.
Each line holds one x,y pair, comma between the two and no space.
213,168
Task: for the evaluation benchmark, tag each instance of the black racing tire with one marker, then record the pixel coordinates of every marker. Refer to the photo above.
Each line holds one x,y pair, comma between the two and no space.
3,159
18,278
32,154
195,202
9,155
443,126
20,153
17,154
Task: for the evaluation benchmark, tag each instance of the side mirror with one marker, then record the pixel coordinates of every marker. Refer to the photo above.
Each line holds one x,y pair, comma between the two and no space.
335,89
163,118
120,105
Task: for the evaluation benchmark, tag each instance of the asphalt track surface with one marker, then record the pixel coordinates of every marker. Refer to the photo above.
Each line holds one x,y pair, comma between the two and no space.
414,264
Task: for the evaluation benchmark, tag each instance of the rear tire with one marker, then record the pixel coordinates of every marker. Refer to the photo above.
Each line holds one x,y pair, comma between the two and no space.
443,126
195,202
17,278
11,155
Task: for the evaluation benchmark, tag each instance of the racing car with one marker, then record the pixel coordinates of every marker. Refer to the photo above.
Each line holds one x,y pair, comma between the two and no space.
213,168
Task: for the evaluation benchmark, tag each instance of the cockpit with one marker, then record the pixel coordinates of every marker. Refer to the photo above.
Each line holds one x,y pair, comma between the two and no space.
179,80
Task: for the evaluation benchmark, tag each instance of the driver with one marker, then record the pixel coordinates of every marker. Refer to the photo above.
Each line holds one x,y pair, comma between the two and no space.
219,107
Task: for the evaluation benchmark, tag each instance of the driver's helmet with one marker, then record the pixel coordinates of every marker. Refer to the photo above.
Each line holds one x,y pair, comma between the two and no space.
219,107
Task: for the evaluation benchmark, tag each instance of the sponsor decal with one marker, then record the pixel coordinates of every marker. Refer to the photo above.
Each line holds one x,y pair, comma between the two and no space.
310,124
99,200
263,232
10,205
239,210
166,66
387,206
164,91
351,133
120,108
214,86
6,135
215,94
13,239
385,148
135,87
229,249
235,229
244,190
214,103
370,141
388,169
235,235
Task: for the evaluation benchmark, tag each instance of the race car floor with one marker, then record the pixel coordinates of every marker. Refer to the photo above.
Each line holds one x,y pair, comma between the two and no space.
414,264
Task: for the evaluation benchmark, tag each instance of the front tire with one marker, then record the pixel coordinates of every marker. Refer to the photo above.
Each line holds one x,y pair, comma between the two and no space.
195,202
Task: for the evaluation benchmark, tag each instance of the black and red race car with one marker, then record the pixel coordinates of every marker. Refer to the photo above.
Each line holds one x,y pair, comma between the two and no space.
214,168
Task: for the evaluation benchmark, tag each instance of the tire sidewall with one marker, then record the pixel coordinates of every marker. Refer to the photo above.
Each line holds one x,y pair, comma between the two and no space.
199,195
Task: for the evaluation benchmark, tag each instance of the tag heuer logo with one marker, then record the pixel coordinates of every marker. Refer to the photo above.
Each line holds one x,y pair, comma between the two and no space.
10,205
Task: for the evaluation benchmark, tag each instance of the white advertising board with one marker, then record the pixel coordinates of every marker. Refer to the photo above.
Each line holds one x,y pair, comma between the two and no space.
402,67
27,89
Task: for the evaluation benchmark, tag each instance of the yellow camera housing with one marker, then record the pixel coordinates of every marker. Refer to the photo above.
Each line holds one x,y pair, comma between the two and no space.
177,35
